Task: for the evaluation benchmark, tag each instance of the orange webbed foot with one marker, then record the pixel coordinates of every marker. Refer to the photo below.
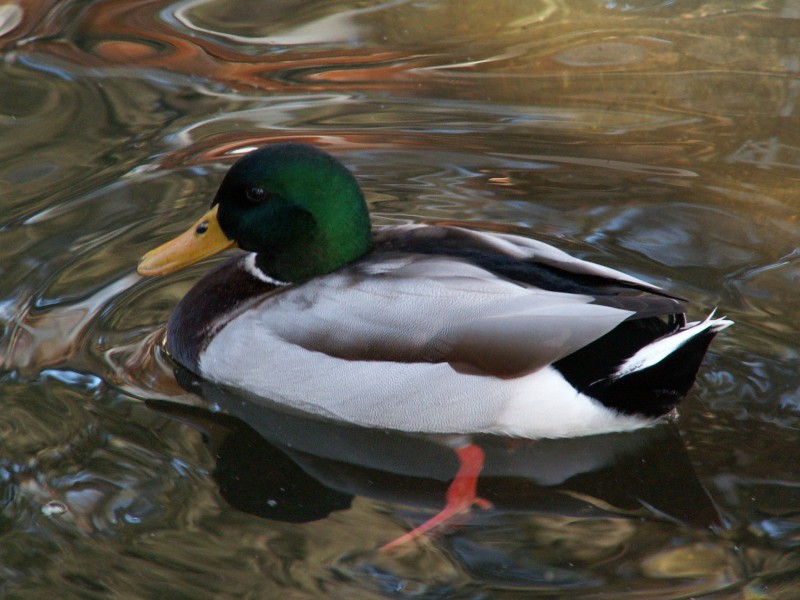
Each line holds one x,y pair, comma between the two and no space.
461,496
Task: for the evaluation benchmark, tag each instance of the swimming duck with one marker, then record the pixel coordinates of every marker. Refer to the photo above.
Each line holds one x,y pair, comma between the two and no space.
424,328
418,328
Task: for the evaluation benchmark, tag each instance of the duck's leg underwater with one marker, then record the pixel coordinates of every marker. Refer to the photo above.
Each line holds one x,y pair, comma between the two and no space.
461,495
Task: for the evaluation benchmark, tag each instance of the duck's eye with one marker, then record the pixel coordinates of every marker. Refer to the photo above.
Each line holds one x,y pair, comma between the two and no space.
256,194
201,228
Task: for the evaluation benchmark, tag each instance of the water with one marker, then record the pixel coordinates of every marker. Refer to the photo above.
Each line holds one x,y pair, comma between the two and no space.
659,138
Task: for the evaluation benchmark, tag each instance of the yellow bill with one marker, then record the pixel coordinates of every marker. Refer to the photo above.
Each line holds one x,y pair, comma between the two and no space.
201,240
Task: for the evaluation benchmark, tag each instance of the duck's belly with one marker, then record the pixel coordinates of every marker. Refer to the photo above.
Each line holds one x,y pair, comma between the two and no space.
415,397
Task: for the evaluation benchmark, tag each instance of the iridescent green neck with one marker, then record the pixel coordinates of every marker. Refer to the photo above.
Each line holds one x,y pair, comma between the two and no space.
317,250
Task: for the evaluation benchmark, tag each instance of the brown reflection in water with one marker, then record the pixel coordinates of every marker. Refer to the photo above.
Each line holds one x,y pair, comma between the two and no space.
120,33
662,87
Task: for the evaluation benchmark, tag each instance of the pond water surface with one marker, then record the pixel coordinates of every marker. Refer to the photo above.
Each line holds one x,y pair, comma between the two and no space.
661,138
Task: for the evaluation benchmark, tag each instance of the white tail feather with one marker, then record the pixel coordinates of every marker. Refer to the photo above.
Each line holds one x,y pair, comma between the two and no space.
660,349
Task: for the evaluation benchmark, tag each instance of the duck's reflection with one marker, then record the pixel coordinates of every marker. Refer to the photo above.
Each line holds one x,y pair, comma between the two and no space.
290,467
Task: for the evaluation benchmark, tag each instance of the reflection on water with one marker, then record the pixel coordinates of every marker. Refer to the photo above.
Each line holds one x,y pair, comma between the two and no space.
660,138
647,470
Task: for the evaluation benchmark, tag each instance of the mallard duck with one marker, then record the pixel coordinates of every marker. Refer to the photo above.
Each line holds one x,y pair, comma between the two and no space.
418,328
423,328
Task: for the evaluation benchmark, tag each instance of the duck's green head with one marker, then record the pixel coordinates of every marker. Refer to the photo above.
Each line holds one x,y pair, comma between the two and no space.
298,207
